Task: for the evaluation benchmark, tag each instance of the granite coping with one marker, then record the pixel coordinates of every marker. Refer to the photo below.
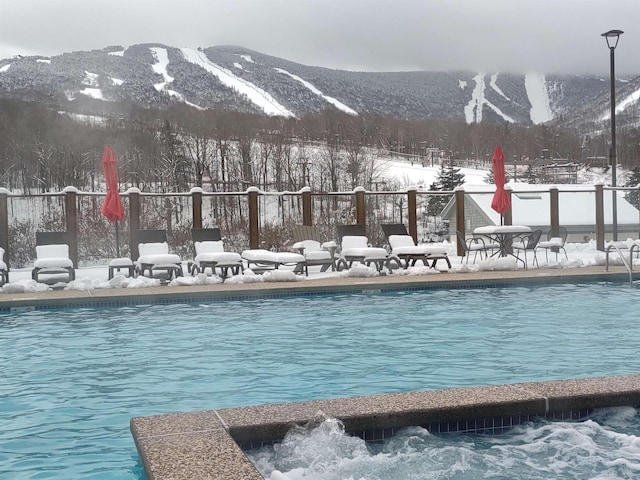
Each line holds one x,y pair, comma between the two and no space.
205,445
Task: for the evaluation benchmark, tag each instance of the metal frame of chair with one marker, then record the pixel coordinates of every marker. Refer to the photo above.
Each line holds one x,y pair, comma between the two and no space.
557,232
528,243
473,244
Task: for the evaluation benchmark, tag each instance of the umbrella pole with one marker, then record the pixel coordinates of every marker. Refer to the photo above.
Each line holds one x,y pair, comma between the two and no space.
117,241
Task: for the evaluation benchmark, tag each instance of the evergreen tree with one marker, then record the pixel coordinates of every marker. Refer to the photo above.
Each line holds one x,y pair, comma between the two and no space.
452,177
532,175
633,181
488,178
449,177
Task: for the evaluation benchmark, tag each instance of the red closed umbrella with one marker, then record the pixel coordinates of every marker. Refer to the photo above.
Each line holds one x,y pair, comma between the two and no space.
501,201
112,207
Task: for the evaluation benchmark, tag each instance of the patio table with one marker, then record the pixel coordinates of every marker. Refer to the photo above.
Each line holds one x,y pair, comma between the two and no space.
502,235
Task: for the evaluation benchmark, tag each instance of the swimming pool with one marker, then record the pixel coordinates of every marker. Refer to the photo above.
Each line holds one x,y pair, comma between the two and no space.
74,378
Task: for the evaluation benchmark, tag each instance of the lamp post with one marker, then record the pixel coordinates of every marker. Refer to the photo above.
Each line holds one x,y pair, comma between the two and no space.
612,37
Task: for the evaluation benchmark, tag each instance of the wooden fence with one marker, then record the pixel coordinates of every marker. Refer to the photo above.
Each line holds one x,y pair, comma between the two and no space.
360,203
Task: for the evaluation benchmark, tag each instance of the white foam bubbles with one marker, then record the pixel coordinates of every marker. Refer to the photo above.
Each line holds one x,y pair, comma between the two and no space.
603,447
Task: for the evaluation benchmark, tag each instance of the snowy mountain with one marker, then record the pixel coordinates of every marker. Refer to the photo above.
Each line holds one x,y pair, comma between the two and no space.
230,77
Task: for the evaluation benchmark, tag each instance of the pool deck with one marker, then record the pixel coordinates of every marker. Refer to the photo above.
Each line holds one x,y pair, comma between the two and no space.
306,286
209,444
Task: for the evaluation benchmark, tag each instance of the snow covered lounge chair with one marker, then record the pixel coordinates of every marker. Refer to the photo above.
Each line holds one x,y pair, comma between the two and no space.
315,252
210,254
356,248
154,254
52,256
266,260
403,246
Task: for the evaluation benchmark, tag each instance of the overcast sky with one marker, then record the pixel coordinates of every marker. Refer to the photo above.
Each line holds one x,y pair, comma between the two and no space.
546,36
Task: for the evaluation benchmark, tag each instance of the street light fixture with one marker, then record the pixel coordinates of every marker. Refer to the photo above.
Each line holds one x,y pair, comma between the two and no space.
612,37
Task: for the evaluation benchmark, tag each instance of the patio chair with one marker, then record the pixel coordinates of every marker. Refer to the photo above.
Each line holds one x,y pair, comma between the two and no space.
355,247
403,246
475,245
556,238
209,253
52,256
527,243
316,253
260,260
154,255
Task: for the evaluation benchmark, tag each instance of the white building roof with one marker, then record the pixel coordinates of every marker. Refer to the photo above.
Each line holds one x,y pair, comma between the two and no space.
530,205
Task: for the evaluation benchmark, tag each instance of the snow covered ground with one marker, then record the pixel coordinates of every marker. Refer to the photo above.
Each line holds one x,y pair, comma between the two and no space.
408,175
95,277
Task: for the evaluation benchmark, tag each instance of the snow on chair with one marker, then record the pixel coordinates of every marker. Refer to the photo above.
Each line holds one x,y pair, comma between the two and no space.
209,252
52,256
154,254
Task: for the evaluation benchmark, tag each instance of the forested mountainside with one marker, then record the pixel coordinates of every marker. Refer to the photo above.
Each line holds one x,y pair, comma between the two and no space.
237,79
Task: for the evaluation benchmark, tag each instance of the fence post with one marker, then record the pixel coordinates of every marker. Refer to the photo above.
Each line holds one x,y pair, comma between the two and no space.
134,221
600,217
508,215
412,207
71,219
254,231
360,206
553,203
307,218
196,207
4,224
459,196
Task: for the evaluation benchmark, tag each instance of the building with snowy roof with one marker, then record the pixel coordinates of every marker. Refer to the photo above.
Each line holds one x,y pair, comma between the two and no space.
531,206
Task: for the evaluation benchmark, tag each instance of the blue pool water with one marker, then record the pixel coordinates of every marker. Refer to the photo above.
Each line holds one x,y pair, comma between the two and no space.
72,379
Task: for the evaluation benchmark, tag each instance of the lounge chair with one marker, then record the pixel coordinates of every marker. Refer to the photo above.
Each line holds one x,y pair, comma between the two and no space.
475,245
52,256
528,243
403,247
154,255
556,238
308,243
355,247
263,260
209,253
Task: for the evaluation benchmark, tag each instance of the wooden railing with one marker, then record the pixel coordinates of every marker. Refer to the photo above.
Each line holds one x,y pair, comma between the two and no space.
251,196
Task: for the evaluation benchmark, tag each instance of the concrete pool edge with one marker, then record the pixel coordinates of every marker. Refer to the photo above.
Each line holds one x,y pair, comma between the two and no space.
206,444
331,285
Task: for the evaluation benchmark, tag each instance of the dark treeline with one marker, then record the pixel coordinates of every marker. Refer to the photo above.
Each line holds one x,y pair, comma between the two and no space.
44,150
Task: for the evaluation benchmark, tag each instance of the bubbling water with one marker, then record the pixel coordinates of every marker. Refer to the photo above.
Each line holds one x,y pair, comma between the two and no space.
606,446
